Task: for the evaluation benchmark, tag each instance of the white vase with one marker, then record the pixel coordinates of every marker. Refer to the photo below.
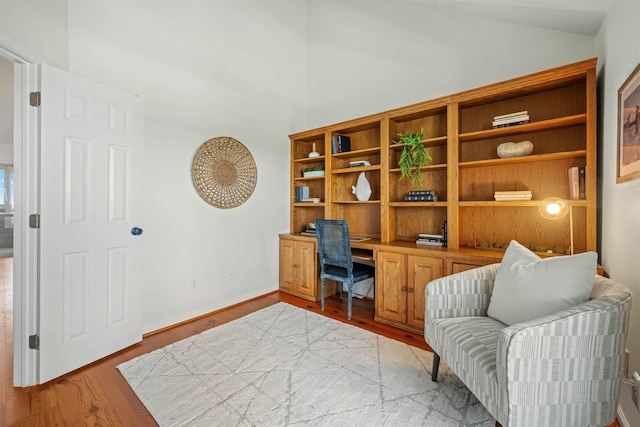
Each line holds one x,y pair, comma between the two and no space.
362,189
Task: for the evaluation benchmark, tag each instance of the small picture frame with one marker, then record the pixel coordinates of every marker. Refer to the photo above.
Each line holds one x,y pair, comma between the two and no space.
628,167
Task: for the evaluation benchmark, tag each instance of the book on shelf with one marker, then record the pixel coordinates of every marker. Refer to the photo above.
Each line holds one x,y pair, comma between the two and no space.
507,196
512,119
358,163
309,232
433,239
514,193
302,192
506,116
344,143
430,242
340,144
311,200
511,122
421,196
506,125
577,184
445,232
429,236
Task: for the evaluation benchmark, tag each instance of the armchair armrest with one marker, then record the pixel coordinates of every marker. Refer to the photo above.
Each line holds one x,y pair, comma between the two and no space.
463,294
573,357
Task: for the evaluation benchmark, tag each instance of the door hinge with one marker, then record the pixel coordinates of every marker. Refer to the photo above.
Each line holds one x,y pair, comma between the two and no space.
34,99
34,221
34,342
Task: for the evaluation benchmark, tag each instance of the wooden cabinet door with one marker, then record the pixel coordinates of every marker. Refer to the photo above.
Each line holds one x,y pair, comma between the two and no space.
420,271
306,268
287,265
457,266
391,286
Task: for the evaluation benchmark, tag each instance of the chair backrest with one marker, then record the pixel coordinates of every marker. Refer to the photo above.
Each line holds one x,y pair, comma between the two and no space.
333,244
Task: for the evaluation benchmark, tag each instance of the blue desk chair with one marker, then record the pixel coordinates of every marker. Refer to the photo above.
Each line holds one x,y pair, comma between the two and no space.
336,262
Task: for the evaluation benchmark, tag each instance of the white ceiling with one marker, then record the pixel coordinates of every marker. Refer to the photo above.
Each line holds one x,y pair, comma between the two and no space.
575,16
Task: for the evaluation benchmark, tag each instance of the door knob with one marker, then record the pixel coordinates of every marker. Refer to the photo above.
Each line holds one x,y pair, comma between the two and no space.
136,231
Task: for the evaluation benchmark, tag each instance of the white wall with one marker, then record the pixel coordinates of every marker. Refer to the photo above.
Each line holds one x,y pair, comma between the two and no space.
186,239
36,29
367,57
618,46
203,69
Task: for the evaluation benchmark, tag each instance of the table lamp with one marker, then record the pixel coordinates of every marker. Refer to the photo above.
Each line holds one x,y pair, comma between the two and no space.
556,208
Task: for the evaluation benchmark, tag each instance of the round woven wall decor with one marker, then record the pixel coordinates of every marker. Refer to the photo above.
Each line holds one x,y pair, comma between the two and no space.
224,172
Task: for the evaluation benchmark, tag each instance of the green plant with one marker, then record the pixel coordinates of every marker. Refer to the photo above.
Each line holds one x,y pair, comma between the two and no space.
313,168
413,156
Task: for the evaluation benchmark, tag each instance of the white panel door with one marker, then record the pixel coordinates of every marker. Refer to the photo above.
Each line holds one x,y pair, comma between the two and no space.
90,195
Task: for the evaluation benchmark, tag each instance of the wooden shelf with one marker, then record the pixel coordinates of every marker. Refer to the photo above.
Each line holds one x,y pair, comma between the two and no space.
418,204
308,204
428,142
515,203
309,178
356,202
357,153
423,168
536,158
310,160
354,170
529,127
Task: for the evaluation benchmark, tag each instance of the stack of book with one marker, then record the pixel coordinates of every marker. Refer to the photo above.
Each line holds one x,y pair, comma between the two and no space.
431,240
511,119
310,230
506,196
311,200
358,163
421,196
340,144
302,192
576,183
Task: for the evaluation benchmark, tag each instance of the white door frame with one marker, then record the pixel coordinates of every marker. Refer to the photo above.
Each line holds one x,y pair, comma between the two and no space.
25,252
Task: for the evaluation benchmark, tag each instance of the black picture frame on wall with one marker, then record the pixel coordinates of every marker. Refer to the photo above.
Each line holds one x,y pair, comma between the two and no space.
629,128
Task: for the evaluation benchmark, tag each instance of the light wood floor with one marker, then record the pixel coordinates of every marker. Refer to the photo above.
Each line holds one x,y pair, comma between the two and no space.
97,395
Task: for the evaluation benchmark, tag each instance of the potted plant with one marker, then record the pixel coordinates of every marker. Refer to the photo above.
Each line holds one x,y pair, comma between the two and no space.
413,156
313,171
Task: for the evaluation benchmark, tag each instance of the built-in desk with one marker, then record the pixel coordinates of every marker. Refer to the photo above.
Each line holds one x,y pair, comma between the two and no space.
403,270
363,256
300,273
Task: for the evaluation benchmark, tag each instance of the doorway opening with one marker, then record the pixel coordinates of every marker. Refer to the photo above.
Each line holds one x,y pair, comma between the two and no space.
7,199
18,195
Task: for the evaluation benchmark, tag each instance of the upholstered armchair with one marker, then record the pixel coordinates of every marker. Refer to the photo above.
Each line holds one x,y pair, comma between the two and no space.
561,369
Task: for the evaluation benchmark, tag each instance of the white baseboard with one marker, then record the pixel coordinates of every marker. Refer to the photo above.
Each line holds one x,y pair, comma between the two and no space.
621,418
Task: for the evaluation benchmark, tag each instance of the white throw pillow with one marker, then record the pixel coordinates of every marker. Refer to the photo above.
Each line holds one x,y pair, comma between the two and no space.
527,286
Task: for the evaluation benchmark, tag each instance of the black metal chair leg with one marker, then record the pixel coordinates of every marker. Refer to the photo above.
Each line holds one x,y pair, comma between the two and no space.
436,365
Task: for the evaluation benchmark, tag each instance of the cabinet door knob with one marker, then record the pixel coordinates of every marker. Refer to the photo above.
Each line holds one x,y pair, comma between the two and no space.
136,231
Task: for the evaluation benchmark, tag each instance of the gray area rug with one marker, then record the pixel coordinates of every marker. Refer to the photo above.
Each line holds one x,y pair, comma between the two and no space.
286,366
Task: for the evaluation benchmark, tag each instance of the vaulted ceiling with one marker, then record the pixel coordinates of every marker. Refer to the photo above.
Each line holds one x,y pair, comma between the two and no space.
576,16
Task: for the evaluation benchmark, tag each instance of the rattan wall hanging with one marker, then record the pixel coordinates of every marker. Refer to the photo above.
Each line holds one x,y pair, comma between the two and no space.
224,172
